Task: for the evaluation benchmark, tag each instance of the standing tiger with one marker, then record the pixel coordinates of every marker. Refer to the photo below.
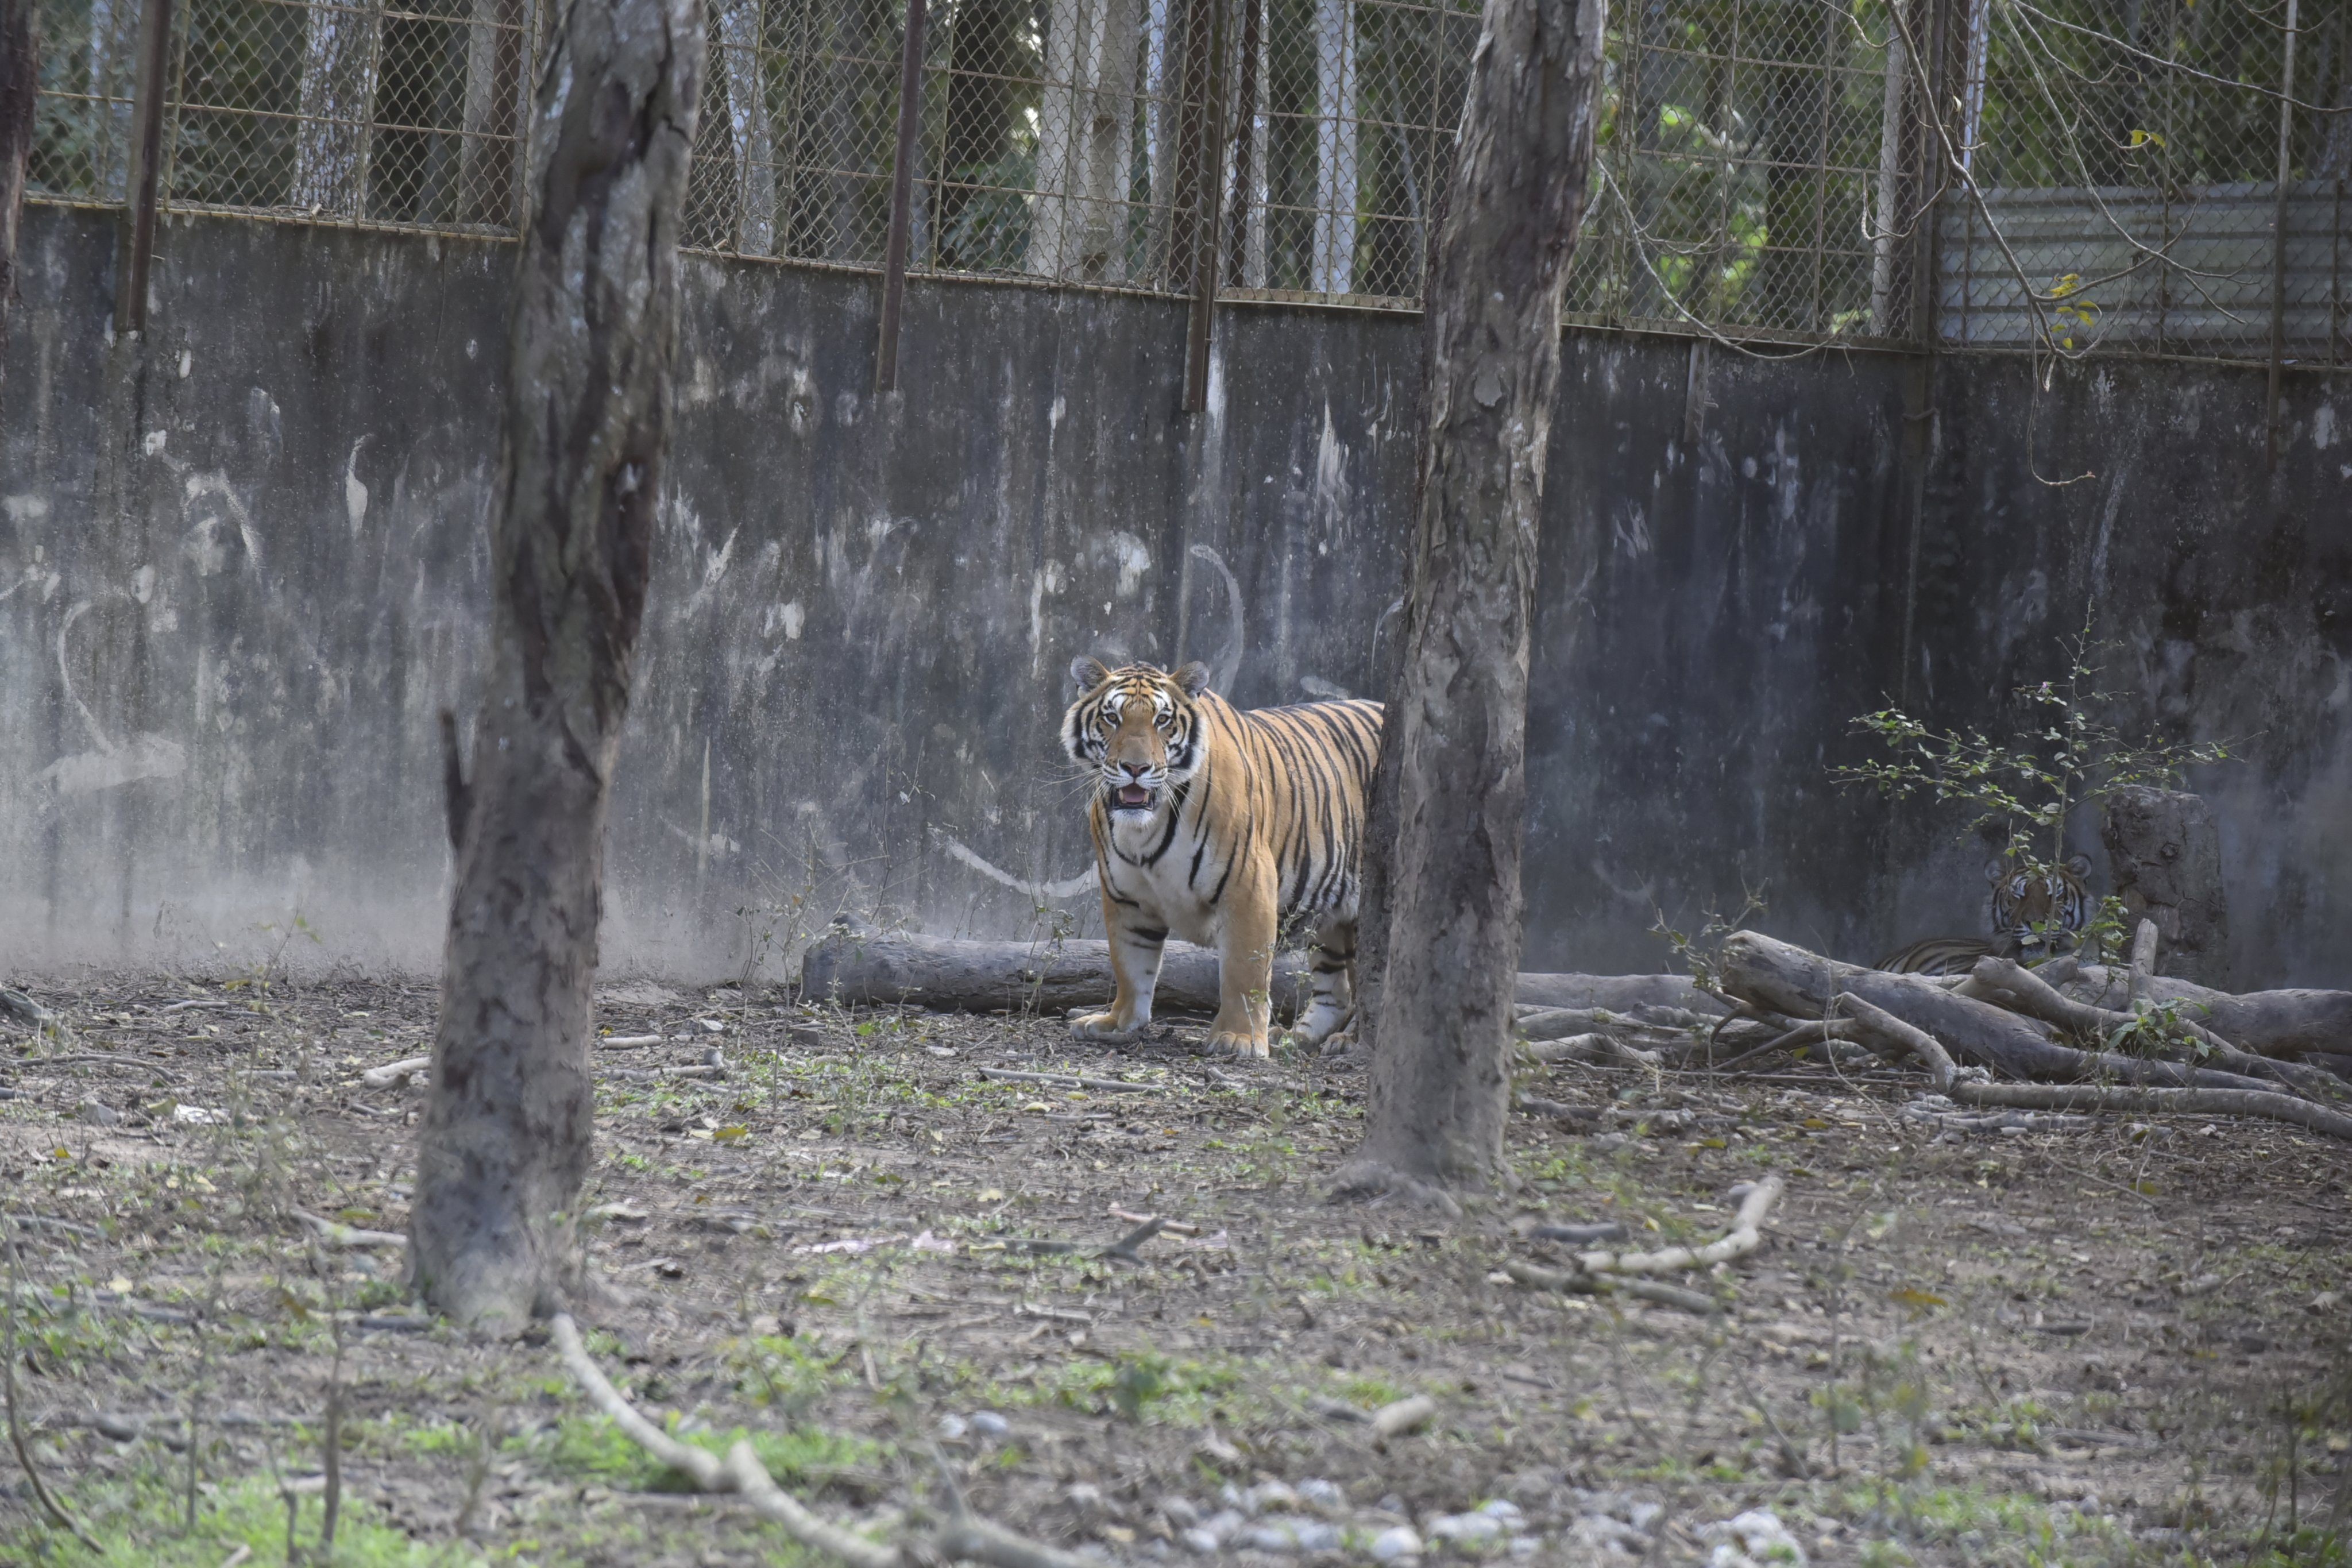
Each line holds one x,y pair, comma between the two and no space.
1220,825
2031,920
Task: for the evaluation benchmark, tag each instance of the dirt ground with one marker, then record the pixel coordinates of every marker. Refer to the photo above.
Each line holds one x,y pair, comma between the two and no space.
2118,1343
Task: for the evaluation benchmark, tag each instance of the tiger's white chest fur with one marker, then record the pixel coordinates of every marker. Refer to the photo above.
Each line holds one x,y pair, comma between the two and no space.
1169,875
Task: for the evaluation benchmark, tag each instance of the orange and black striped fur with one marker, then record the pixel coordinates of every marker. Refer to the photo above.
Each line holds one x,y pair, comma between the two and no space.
2031,919
1218,826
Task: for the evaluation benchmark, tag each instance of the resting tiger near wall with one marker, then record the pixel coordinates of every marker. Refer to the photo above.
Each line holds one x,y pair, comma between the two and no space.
2030,921
1218,826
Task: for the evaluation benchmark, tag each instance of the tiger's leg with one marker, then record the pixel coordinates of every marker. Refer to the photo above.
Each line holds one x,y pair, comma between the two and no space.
1136,945
1244,970
1334,965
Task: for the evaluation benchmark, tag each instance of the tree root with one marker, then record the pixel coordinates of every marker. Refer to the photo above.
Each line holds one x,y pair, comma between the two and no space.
965,1537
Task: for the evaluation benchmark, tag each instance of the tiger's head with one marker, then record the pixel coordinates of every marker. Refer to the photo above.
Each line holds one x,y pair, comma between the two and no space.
2033,911
1138,728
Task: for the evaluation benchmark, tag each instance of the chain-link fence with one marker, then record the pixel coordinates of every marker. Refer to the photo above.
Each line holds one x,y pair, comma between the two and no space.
2067,175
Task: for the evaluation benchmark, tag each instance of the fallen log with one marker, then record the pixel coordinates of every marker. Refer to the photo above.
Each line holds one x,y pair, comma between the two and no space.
2032,996
2267,1023
948,974
1791,979
2261,1102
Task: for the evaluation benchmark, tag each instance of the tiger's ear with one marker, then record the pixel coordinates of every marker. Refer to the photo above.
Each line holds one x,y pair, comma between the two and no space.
1086,672
1194,678
2080,865
1996,868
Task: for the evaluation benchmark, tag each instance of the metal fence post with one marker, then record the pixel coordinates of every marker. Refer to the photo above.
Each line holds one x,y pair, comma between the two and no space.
902,200
1207,158
135,257
2278,240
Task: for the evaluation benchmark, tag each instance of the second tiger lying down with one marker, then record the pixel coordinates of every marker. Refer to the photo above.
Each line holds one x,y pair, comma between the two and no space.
1218,825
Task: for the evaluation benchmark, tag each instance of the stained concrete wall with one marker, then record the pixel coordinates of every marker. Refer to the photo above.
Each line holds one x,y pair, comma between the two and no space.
242,570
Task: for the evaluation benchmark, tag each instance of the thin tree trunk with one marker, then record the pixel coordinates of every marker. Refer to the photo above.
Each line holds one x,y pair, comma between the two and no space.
1332,266
1458,720
746,119
20,78
1887,252
496,93
505,1142
337,103
1084,139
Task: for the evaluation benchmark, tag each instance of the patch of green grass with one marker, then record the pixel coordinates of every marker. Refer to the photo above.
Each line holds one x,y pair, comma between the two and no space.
592,1446
137,1521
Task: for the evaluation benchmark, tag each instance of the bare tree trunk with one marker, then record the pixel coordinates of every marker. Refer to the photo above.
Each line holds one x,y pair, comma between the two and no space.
2164,851
333,139
20,78
505,1140
496,94
747,118
1439,1097
1332,267
1085,125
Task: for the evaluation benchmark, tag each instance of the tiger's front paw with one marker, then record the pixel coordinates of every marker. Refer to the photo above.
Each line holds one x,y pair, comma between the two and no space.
1223,1043
1104,1027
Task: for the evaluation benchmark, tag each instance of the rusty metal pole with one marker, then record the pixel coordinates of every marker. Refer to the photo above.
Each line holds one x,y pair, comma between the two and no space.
1207,227
2278,240
902,200
137,253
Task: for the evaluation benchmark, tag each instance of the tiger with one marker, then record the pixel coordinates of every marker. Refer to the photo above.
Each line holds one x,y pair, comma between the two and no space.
1221,827
2028,918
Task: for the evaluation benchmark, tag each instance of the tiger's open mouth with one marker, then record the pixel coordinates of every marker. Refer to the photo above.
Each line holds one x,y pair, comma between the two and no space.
1130,797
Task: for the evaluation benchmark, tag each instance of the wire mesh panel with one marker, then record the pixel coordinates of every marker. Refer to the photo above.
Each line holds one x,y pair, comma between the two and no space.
81,131
1057,134
1749,171
2164,176
354,112
1342,131
798,116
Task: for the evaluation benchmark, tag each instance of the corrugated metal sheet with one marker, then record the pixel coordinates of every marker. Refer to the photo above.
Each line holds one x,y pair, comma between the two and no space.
2188,276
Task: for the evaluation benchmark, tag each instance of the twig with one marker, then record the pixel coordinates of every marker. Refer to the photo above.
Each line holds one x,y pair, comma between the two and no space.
1124,1247
1805,1034
1580,1283
392,1073
1068,1080
49,1504
1744,1237
335,1233
965,1536
1172,1226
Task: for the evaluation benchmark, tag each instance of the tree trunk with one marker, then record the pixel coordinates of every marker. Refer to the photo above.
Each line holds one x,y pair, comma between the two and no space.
505,1142
497,90
751,134
334,135
1085,121
1332,266
2164,852
1458,719
20,78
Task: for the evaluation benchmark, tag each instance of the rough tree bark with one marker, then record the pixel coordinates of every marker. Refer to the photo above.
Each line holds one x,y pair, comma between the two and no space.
1458,718
2164,850
505,1140
20,77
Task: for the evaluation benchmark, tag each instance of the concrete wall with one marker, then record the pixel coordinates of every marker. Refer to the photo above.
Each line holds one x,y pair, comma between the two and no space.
241,572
